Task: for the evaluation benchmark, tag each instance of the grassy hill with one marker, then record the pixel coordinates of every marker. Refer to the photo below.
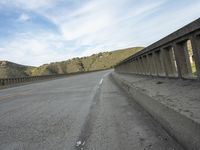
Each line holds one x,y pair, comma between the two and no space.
11,70
104,60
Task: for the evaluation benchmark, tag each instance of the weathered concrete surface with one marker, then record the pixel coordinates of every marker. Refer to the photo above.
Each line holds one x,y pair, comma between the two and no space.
173,103
184,31
61,113
118,123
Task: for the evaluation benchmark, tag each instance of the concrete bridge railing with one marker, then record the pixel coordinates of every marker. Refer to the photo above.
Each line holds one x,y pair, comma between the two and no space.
12,81
177,55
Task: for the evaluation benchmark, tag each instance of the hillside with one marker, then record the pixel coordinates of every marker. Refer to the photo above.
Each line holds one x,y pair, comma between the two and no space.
11,70
104,60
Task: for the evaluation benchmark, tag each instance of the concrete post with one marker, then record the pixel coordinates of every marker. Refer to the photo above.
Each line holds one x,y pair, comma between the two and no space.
162,60
142,65
182,59
144,60
148,65
151,64
1,82
195,41
136,67
158,62
130,66
133,66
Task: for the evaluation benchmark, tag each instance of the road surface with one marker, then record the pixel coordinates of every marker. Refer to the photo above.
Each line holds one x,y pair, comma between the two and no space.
79,112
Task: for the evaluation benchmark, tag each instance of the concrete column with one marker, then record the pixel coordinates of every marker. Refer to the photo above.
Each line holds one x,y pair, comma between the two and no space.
155,63
155,67
122,68
138,66
130,64
182,59
142,65
148,65
162,59
158,61
9,81
133,66
151,64
169,62
195,41
126,67
13,81
1,82
5,81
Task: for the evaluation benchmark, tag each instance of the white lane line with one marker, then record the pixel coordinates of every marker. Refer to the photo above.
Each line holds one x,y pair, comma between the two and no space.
101,81
103,77
106,74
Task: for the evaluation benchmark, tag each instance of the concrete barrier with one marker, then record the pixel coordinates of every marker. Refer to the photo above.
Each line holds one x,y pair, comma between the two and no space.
185,129
177,56
17,81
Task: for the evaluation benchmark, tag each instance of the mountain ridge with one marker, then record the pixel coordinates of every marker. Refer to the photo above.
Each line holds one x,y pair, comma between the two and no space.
102,60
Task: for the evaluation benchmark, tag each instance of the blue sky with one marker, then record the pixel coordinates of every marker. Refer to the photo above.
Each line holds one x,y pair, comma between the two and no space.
36,32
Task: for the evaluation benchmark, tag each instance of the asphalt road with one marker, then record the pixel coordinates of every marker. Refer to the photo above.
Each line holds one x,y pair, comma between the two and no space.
79,112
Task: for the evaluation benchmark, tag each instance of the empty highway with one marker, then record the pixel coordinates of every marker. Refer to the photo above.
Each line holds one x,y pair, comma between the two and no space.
87,111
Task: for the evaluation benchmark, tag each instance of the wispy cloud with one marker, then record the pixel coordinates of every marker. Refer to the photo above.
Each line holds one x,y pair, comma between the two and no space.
24,17
61,29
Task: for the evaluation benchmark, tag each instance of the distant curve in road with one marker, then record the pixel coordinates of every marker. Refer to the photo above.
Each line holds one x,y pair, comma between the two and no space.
85,111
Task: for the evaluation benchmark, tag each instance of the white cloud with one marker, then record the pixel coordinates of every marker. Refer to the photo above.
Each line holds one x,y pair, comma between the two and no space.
93,26
24,17
29,4
33,49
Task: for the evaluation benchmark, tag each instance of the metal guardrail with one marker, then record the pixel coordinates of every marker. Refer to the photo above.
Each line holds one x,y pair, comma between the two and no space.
176,55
